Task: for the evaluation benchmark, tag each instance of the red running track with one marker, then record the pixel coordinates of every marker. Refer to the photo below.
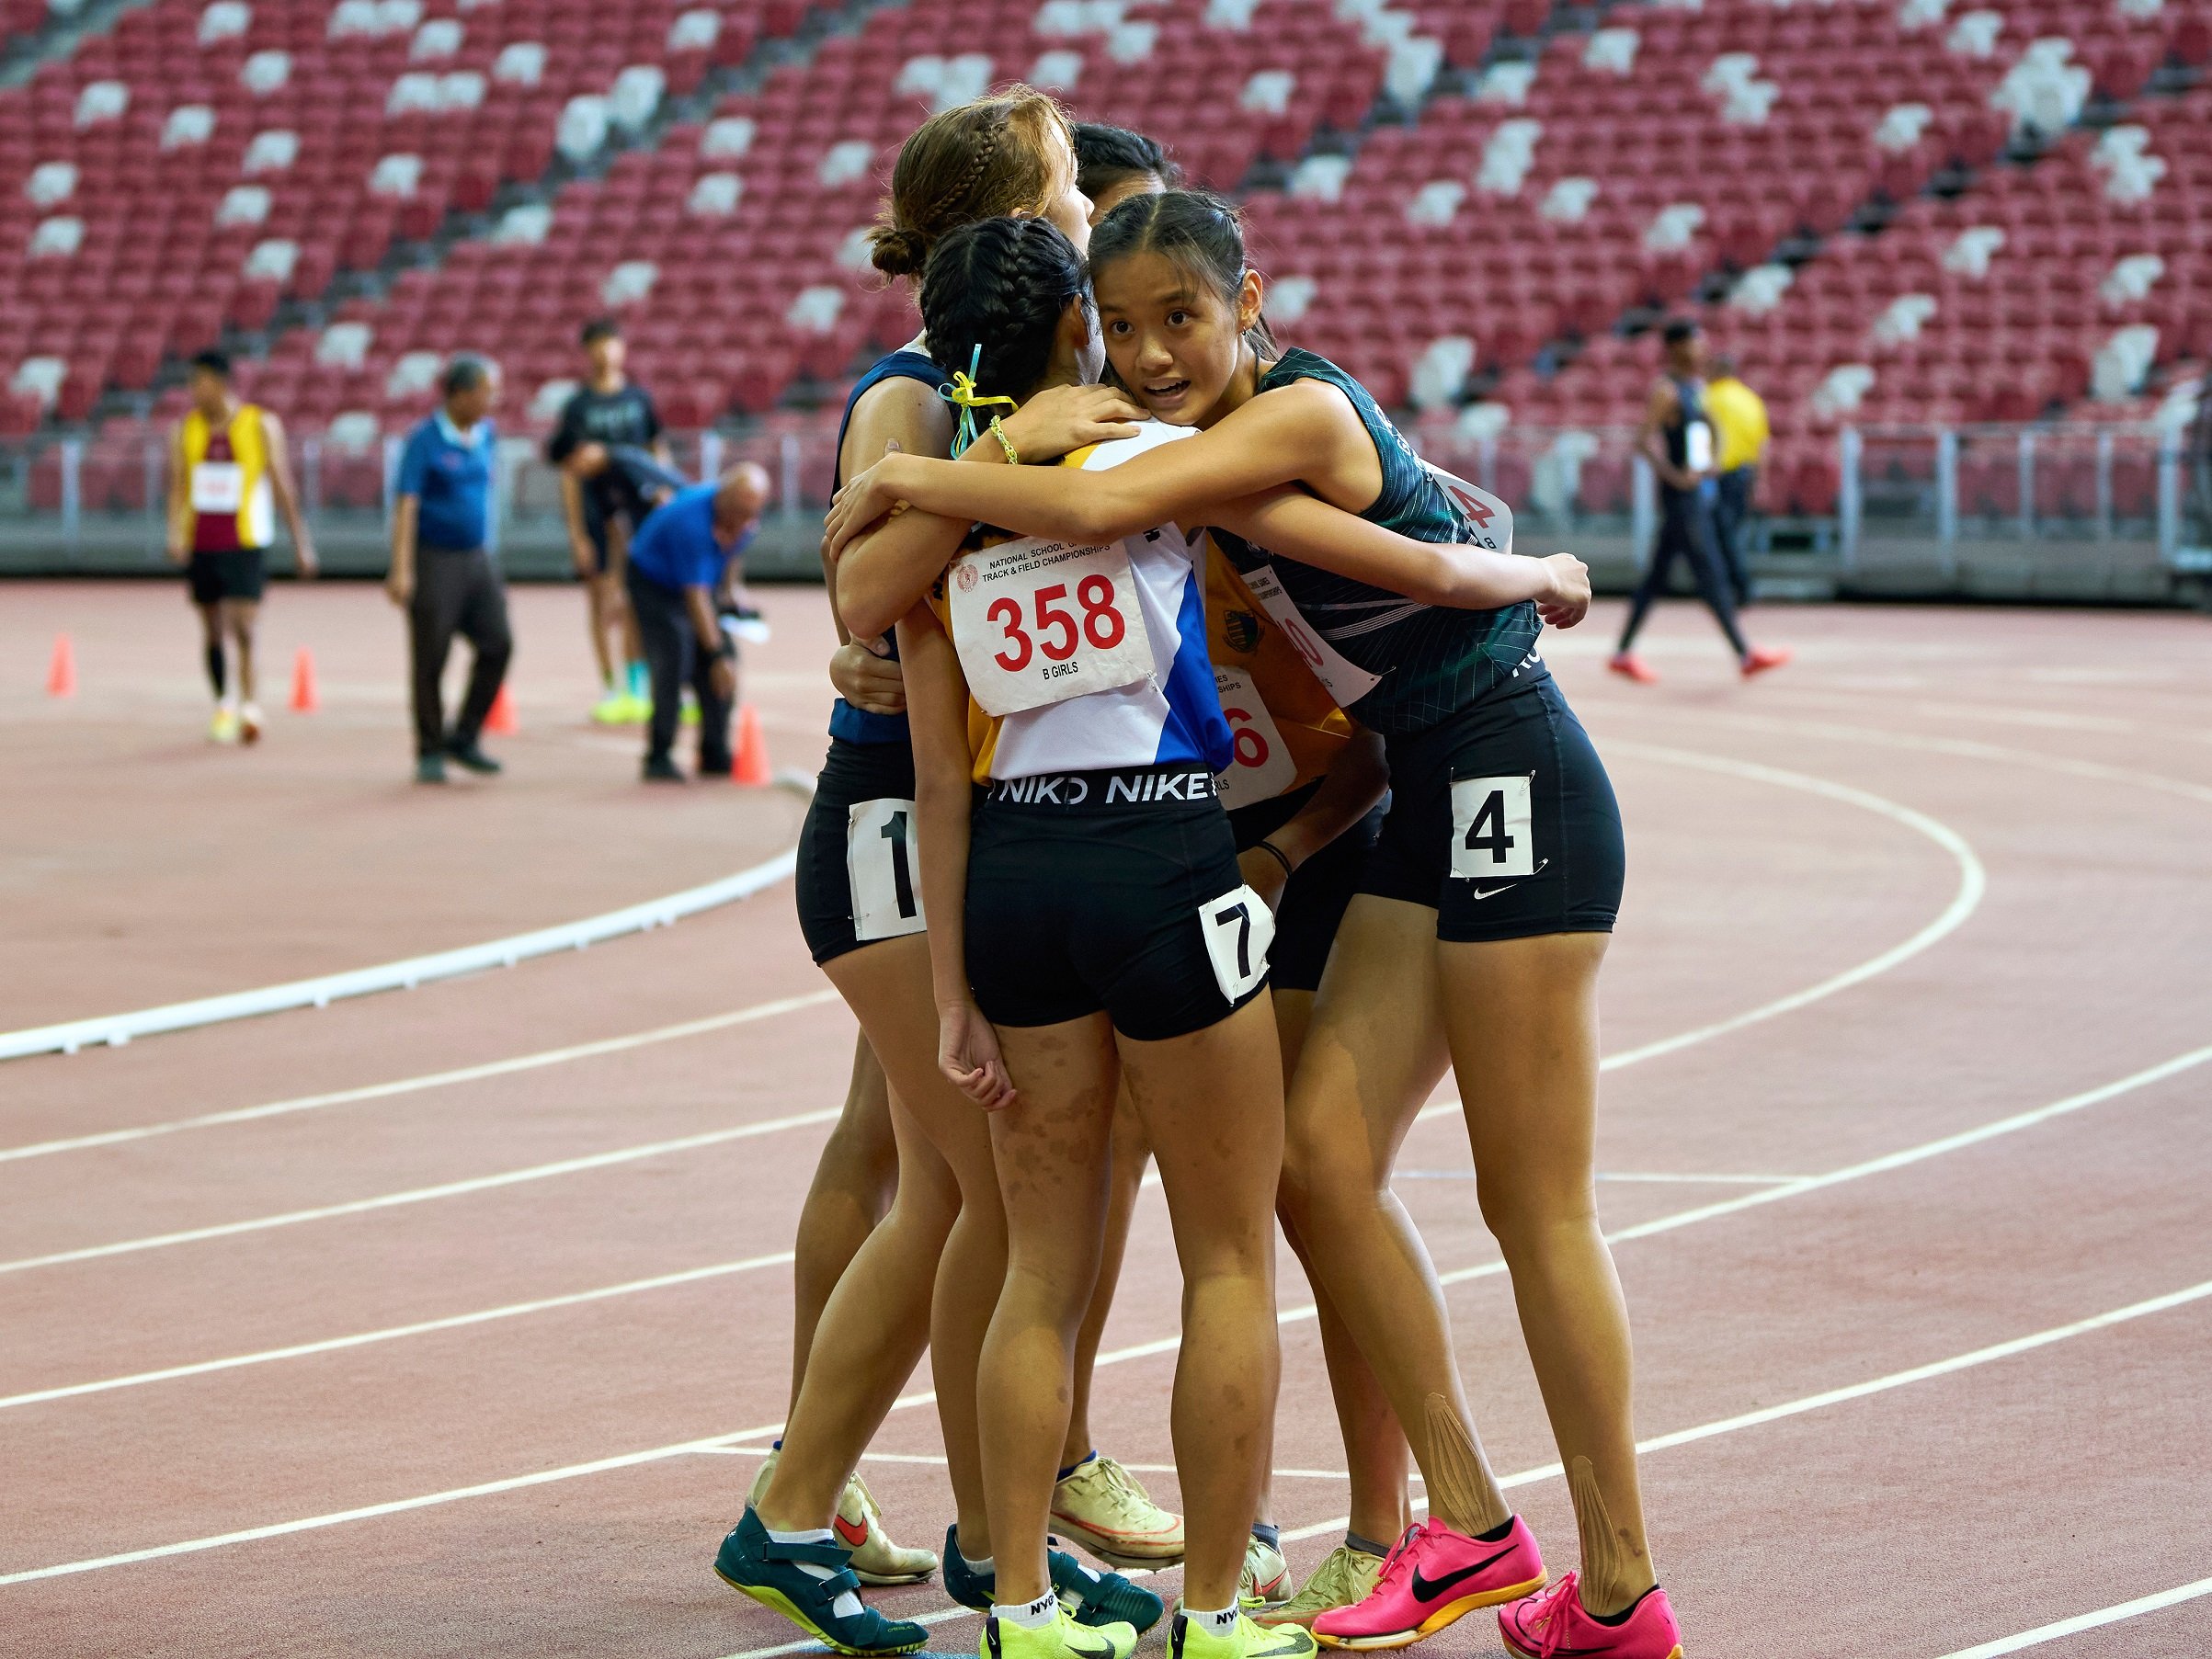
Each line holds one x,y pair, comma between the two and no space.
1896,1246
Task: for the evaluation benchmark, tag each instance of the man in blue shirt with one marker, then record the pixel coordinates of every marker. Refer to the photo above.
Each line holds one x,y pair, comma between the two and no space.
678,576
442,575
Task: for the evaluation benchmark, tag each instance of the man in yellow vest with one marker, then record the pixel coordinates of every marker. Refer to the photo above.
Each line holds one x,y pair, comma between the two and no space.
1738,416
227,465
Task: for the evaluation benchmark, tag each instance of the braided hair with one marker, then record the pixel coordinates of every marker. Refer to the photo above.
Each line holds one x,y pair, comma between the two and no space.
984,158
1003,285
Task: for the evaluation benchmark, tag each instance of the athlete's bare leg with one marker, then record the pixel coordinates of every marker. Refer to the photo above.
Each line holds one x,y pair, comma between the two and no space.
603,619
1375,1050
934,1282
1522,1017
1131,1154
1212,1103
853,1184
239,617
1376,1451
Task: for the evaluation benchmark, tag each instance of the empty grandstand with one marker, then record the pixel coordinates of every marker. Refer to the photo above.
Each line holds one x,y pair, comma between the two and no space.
1965,251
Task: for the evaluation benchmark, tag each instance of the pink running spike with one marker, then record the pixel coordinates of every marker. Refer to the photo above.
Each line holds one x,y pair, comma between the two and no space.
1434,1576
1554,1625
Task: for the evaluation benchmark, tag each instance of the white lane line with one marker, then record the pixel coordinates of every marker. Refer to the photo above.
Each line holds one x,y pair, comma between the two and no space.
452,1322
1930,1149
424,1195
2086,1621
1792,1408
1969,749
1972,883
1650,1178
941,1462
116,1030
429,1080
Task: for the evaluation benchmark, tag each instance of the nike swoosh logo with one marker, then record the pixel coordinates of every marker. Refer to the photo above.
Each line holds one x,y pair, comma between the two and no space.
854,1536
1477,893
1429,1589
1105,1651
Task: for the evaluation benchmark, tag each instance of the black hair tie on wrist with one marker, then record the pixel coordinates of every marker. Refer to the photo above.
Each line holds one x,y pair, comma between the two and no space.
1279,856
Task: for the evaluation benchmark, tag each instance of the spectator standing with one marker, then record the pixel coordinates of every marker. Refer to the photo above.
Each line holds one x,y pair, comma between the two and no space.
1676,440
442,573
1740,433
679,579
608,427
227,467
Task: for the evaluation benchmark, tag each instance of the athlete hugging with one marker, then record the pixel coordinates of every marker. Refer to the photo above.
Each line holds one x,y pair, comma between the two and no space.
1151,716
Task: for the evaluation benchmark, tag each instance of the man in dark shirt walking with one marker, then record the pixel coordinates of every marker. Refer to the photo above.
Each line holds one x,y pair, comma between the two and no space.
442,575
614,470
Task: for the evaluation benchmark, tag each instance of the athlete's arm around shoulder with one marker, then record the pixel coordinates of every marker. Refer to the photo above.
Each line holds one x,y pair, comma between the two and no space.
1299,527
1295,433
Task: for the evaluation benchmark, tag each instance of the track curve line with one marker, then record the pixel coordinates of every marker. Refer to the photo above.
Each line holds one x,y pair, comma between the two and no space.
1973,882
114,1030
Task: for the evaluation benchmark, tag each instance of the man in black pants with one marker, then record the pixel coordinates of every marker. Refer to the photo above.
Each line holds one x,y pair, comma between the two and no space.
678,578
1676,440
442,575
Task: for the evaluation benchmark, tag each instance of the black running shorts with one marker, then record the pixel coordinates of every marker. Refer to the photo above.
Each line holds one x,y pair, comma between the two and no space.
1503,822
857,880
229,573
1115,890
1314,899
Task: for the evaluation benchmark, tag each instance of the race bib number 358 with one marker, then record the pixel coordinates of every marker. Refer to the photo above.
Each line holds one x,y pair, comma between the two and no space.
1038,622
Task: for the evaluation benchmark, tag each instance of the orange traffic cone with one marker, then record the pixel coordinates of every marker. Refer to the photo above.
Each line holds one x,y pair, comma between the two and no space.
305,700
62,672
501,721
752,748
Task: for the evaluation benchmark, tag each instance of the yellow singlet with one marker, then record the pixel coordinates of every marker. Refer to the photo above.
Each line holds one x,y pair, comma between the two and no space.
226,480
1288,728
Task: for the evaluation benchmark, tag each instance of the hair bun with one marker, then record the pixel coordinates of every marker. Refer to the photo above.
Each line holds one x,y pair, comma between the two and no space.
897,252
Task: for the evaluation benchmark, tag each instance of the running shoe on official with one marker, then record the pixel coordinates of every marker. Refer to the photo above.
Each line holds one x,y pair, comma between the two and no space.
1554,1626
1061,1639
430,769
859,1524
222,725
1629,665
1760,658
814,1586
1092,1598
1102,1507
1266,1580
1245,1640
1345,1578
1436,1576
249,724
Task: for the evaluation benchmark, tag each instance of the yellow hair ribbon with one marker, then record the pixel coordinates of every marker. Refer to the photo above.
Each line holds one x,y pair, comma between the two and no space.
963,395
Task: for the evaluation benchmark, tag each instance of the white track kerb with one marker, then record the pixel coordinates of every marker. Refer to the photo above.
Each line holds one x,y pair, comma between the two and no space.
116,1030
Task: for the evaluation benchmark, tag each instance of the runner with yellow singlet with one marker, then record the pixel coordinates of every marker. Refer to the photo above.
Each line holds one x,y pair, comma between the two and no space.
227,466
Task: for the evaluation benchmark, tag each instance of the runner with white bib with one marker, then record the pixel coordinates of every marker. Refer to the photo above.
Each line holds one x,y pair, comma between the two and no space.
1476,936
